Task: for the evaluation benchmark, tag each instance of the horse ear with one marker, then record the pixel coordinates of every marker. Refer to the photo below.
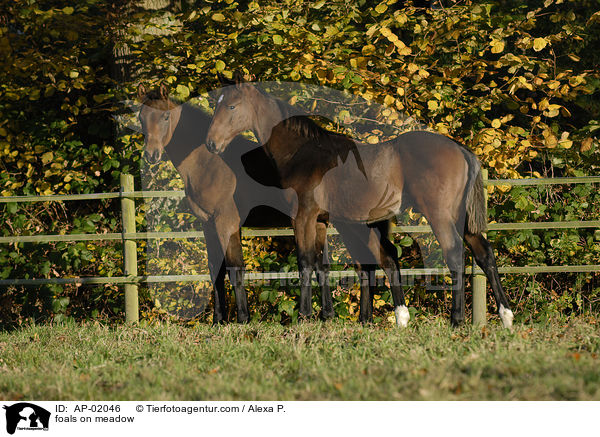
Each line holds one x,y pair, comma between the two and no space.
141,91
164,91
238,78
224,81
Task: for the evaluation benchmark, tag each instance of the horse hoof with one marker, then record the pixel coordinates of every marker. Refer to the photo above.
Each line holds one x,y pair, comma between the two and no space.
506,316
457,321
327,315
303,318
402,316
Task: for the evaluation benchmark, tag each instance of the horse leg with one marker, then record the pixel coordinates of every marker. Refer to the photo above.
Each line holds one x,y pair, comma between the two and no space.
216,266
484,256
452,249
389,261
323,272
235,269
367,291
356,238
305,232
227,229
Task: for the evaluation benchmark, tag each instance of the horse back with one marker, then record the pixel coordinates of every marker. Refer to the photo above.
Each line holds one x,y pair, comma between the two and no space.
435,171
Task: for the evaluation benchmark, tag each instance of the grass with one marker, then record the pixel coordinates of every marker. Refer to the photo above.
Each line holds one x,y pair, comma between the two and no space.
429,360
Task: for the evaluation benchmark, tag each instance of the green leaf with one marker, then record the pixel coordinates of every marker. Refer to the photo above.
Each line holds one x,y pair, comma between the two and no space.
277,39
183,91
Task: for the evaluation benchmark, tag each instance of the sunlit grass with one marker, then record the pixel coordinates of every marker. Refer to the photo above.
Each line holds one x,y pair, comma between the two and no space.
311,361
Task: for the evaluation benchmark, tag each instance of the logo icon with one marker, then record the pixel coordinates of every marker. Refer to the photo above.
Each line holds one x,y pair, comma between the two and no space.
26,416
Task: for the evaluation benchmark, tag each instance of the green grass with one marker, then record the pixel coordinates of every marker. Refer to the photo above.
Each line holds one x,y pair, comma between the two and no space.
312,361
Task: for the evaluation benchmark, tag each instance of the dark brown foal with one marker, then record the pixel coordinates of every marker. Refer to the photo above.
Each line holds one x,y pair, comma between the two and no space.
360,184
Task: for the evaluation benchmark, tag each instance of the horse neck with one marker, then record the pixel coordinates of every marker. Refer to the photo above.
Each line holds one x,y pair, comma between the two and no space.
277,140
189,134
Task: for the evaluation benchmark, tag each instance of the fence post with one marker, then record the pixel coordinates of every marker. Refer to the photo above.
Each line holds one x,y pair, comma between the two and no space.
479,281
129,249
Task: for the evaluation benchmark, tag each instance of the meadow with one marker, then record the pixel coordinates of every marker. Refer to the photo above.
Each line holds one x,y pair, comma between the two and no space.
429,360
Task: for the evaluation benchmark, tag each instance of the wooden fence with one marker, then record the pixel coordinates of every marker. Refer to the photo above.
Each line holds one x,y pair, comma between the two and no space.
128,237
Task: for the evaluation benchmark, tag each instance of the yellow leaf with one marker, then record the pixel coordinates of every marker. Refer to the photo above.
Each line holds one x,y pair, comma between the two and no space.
388,100
404,51
488,148
47,157
539,44
218,17
550,141
553,84
412,67
586,145
381,8
373,139
385,32
552,110
432,105
399,44
497,46
401,18
496,123
368,50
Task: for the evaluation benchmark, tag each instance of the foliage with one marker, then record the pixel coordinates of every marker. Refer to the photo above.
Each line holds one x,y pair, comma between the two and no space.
517,83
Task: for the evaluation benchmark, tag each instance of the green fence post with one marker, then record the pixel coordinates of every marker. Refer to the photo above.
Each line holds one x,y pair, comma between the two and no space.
479,281
129,249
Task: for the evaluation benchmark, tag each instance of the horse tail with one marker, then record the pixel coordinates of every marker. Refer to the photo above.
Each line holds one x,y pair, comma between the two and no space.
476,206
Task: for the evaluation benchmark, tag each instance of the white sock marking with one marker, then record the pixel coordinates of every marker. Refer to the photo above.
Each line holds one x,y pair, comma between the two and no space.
402,316
507,316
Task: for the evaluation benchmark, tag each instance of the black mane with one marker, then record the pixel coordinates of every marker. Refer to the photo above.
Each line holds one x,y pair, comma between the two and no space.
301,124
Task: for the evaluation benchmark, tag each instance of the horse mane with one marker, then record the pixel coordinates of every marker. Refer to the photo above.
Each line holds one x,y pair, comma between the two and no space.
300,123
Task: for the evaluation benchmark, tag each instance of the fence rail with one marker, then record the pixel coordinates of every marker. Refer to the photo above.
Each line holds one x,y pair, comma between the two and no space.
128,237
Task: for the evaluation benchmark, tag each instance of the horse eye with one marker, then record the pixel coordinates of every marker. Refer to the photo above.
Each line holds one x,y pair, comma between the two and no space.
231,107
167,115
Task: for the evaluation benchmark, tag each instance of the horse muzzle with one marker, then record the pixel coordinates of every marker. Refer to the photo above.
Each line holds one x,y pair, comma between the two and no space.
211,146
152,157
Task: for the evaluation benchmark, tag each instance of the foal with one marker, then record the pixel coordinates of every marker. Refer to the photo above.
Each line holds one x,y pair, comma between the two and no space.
358,184
224,192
